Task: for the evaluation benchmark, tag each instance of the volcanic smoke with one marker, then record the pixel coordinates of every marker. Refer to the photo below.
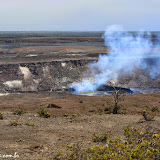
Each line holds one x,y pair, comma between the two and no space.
127,52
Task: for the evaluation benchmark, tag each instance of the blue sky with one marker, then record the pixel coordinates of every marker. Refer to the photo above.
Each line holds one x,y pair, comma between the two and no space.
78,15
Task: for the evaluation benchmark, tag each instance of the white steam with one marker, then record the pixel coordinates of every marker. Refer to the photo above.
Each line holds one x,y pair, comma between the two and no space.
127,52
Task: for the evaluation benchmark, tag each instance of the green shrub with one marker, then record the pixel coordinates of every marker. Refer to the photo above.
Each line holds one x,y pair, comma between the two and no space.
74,115
136,144
19,112
1,116
155,109
101,138
73,152
44,113
29,124
20,140
147,115
16,123
65,115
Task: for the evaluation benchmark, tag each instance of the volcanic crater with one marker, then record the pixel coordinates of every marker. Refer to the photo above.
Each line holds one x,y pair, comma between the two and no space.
36,71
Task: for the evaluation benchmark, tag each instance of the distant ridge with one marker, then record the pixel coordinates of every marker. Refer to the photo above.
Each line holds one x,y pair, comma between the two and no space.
13,34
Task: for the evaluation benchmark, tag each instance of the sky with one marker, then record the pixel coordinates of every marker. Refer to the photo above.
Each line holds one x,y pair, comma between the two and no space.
79,15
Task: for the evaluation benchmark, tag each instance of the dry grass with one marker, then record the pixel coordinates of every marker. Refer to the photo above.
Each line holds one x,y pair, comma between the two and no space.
75,122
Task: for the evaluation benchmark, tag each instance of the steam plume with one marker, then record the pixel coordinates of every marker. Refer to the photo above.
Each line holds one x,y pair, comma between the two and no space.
127,52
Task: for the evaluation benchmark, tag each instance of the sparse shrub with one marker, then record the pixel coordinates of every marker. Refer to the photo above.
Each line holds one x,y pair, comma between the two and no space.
20,140
73,152
81,101
107,110
136,144
100,110
148,116
44,113
1,116
19,112
135,105
123,112
29,124
65,115
16,123
91,110
101,138
155,109
74,115
146,106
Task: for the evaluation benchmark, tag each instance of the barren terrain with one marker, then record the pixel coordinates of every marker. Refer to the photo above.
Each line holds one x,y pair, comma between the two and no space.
47,49
77,117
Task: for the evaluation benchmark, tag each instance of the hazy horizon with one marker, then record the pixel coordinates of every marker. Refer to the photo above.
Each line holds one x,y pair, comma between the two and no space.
79,15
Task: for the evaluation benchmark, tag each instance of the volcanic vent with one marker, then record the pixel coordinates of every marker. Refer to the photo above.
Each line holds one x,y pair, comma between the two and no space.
132,61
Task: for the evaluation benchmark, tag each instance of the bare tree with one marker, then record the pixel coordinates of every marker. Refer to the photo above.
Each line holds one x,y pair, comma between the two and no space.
118,95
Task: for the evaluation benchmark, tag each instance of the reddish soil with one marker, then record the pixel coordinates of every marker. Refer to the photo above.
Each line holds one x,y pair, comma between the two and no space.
74,104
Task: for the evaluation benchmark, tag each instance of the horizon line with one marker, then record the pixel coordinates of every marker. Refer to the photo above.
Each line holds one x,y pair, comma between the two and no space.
68,31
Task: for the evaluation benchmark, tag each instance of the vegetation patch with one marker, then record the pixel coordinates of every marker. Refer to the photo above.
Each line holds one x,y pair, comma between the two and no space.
155,109
148,116
66,115
29,124
74,115
107,110
136,144
1,116
101,138
81,101
19,112
100,110
20,140
16,123
44,113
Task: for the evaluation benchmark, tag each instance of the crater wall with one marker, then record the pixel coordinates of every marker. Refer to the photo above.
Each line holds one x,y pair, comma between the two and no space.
41,76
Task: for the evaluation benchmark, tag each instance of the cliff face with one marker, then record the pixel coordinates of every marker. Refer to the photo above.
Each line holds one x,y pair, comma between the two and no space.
42,76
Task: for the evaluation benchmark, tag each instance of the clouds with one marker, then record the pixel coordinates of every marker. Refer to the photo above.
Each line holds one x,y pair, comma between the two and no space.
78,14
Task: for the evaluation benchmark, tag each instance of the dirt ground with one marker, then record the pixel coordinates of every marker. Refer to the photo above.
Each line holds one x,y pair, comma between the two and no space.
75,121
77,104
76,118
